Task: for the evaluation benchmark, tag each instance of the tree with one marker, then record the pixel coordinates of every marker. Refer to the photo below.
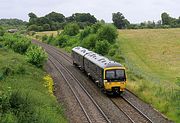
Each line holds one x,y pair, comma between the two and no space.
56,17
166,20
46,27
32,15
82,17
32,18
119,20
102,47
33,28
42,20
71,29
89,42
107,32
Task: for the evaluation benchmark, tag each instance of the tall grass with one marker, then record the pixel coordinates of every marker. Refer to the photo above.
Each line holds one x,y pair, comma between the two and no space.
151,57
25,96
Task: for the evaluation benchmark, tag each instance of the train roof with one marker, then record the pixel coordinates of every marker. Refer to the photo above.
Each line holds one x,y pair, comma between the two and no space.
101,61
80,50
97,59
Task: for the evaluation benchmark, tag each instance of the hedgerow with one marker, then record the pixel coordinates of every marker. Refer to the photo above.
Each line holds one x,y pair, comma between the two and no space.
20,44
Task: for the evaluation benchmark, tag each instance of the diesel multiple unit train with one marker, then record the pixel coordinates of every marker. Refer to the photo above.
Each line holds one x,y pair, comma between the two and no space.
108,74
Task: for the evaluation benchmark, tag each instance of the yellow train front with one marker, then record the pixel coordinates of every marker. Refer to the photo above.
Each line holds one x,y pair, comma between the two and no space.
108,74
114,79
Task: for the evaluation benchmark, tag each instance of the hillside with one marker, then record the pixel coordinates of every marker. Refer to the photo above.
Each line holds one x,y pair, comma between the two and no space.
152,59
26,92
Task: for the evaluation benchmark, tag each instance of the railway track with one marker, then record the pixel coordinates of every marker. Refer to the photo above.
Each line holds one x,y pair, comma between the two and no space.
91,109
130,110
136,114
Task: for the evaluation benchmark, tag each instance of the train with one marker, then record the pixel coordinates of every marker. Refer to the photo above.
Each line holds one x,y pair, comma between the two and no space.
109,75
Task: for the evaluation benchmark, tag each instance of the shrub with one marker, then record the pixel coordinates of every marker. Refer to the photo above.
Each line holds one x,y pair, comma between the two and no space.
107,32
85,32
36,55
21,45
61,40
89,42
17,43
102,47
96,27
112,52
17,108
71,29
44,38
50,39
1,31
72,41
46,27
33,28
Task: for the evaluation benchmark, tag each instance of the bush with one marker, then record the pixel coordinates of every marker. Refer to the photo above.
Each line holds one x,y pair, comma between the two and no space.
21,46
71,29
89,42
33,28
72,41
61,40
17,43
1,31
102,47
46,27
96,27
112,52
44,38
85,32
36,55
50,39
17,108
107,32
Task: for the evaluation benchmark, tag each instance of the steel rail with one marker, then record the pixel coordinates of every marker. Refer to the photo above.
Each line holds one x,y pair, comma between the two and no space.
81,105
140,112
123,111
98,107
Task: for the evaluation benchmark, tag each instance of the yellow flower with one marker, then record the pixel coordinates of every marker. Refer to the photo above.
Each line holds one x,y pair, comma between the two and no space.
48,83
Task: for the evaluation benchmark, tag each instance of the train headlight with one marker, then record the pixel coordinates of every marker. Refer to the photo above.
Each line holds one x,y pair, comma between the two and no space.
105,81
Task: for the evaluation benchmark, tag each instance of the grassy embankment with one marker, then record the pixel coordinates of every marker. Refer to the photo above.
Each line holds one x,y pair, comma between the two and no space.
26,92
153,61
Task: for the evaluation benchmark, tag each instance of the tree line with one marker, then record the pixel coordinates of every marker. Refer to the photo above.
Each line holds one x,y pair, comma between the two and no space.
166,22
56,21
12,23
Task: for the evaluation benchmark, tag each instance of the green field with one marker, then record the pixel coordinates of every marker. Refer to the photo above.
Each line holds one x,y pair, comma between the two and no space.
152,57
26,92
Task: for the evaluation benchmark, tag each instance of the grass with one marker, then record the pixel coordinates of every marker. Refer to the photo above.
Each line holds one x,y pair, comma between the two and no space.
26,92
48,33
152,59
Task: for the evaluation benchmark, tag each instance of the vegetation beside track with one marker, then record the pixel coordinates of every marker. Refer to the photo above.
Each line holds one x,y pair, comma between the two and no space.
25,91
151,58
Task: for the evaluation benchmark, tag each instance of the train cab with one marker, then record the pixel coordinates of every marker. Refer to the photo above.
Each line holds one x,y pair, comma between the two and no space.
115,79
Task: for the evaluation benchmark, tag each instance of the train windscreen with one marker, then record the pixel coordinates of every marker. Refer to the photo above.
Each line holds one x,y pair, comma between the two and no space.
115,75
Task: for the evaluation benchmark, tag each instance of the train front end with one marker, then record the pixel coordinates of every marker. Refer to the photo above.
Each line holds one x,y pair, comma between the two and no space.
115,80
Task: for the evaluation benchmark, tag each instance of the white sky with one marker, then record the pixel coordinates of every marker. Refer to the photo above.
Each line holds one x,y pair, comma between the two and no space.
135,11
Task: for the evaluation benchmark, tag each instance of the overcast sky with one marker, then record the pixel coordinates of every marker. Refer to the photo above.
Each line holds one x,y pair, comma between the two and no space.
135,11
